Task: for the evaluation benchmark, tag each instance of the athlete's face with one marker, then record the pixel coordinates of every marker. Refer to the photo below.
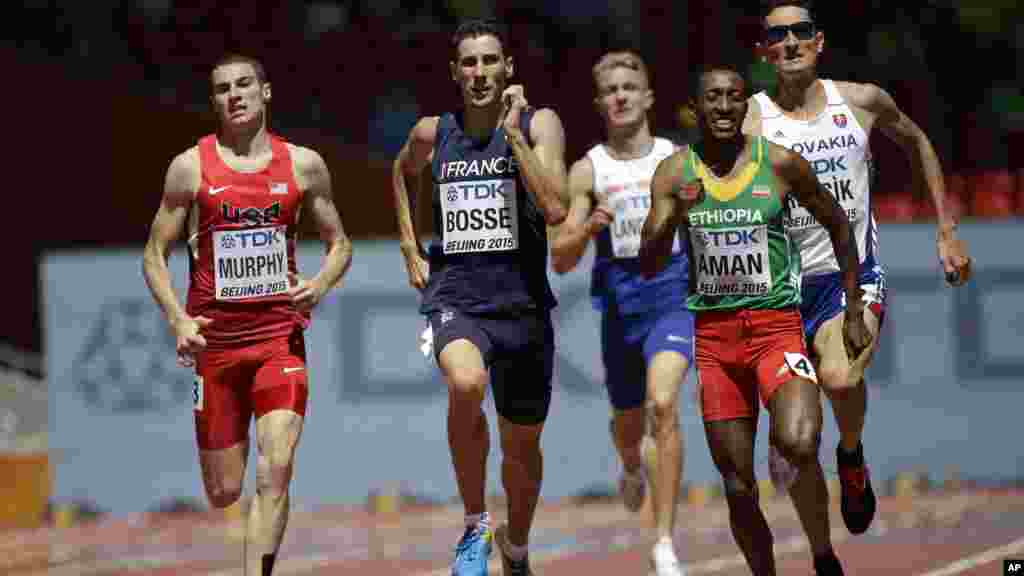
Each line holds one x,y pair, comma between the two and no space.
721,104
623,96
481,70
238,95
790,40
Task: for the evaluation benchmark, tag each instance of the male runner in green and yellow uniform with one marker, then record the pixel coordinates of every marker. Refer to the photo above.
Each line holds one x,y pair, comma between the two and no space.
727,195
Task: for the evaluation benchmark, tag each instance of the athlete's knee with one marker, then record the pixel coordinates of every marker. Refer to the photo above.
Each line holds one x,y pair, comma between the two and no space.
222,492
274,463
834,376
798,439
467,381
520,442
665,411
739,487
273,475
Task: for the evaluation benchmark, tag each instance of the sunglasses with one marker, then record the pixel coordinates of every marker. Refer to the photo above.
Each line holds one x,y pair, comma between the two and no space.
801,30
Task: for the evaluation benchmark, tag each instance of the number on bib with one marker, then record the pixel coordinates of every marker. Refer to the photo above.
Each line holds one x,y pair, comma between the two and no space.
801,366
197,394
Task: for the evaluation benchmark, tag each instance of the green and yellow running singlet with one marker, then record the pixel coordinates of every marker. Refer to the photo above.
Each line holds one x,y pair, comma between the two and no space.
740,253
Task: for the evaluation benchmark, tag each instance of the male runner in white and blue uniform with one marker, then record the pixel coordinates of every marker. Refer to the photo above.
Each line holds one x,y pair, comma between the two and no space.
646,331
829,123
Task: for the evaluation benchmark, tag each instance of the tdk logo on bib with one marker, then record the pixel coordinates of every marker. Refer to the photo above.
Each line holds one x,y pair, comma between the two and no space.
731,238
251,238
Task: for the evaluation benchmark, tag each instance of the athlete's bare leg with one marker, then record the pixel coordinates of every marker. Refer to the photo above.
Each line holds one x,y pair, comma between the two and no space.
664,377
628,428
223,473
732,448
468,434
859,365
522,471
277,435
848,399
796,433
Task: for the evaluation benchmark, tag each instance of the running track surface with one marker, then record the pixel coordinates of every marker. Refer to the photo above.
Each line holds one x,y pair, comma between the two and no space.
937,534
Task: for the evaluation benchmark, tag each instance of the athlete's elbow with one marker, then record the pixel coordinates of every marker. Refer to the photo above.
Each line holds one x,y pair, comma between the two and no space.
561,264
555,214
650,264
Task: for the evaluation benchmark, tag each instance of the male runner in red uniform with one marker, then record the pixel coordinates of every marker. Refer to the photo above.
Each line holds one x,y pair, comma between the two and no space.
240,193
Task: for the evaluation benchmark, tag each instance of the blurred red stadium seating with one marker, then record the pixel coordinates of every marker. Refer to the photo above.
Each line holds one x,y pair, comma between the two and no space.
992,193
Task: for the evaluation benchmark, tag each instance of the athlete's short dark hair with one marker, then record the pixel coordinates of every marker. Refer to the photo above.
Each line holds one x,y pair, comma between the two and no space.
235,58
697,79
770,5
477,27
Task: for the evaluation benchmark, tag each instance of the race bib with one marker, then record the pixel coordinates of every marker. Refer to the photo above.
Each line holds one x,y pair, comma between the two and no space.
479,216
801,366
197,394
732,262
630,207
250,263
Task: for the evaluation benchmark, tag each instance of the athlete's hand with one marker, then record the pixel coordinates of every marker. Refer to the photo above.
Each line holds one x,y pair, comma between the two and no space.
305,294
514,101
599,219
953,258
856,336
417,268
691,191
188,339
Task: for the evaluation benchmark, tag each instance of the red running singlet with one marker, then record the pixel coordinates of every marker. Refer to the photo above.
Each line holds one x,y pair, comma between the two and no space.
242,248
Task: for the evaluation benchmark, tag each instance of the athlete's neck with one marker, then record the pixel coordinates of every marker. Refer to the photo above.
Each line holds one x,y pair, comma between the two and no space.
251,140
800,94
480,123
630,142
721,155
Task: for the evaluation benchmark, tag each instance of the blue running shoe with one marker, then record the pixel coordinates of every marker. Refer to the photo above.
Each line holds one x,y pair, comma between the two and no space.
472,551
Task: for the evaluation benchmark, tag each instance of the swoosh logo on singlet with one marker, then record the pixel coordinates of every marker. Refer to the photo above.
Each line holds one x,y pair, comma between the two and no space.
213,191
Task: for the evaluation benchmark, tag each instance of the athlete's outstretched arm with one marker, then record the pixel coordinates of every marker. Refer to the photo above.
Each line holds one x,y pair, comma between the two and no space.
180,186
543,166
812,195
325,215
169,225
574,233
668,210
923,161
405,170
797,173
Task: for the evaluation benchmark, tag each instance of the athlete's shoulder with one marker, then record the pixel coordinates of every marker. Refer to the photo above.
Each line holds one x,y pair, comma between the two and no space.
672,165
545,120
583,165
581,175
309,166
779,155
183,175
185,163
425,129
752,120
304,158
860,94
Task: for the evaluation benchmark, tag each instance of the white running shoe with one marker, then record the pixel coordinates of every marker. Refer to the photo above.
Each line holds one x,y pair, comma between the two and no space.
664,561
